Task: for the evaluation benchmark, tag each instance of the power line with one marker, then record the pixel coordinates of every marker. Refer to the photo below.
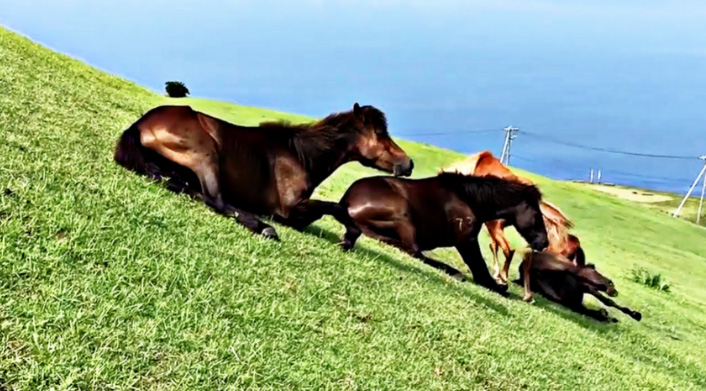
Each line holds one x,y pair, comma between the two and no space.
602,149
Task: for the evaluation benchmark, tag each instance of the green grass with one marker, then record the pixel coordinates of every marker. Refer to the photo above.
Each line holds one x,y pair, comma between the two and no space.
110,282
689,210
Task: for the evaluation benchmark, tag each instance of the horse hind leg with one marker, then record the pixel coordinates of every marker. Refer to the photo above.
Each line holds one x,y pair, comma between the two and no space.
208,176
350,237
133,155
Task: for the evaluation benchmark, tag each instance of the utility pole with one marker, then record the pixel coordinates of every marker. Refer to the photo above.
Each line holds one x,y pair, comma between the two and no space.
701,202
688,194
510,134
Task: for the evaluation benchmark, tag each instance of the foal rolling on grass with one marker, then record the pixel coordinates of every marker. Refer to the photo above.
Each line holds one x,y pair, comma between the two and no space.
267,170
443,211
560,280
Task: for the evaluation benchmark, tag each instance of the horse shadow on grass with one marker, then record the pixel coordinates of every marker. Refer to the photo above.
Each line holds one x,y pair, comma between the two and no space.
429,275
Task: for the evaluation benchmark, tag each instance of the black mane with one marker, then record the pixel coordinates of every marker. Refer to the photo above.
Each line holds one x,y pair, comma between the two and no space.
309,141
489,190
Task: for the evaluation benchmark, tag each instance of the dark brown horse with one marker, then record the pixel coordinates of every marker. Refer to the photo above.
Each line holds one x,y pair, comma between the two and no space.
560,241
560,280
267,170
442,211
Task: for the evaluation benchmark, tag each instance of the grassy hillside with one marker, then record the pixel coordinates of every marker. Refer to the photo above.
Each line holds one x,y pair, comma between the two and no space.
664,202
110,282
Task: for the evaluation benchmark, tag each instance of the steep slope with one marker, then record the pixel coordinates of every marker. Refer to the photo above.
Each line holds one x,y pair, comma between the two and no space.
108,281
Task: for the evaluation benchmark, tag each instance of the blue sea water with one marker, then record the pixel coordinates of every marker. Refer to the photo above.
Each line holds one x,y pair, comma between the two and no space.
627,75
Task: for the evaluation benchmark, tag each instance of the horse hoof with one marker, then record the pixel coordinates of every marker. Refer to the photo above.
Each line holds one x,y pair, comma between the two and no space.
528,299
270,233
637,316
346,245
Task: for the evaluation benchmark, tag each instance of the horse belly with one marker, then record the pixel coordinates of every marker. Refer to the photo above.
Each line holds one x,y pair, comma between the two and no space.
438,220
291,181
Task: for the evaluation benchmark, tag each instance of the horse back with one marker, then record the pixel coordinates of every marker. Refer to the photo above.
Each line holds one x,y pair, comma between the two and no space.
242,156
489,165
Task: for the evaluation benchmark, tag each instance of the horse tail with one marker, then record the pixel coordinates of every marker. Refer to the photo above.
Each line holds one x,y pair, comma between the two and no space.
131,154
555,215
129,151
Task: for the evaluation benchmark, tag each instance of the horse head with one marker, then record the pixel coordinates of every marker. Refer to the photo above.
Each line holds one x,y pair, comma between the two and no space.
374,147
589,275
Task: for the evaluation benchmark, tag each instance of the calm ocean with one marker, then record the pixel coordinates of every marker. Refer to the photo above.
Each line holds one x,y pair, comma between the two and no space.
628,76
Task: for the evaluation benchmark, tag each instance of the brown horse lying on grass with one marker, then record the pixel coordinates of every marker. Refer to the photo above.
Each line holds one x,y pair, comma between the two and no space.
267,170
560,242
559,280
443,211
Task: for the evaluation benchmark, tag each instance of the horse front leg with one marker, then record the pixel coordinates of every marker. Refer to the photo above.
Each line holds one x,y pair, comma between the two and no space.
498,239
473,258
496,262
610,303
509,254
306,212
408,242
526,269
492,227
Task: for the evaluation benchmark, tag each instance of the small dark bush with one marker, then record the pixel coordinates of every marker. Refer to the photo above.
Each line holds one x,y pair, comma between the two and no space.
176,89
649,279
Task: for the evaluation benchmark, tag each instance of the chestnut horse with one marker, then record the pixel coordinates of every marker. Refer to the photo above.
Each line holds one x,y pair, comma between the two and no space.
443,211
267,170
559,280
560,242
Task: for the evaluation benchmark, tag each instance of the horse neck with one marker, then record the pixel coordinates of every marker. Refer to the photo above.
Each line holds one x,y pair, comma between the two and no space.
320,159
497,210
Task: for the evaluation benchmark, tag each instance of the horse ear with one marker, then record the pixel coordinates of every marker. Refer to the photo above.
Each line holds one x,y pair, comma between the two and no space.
356,109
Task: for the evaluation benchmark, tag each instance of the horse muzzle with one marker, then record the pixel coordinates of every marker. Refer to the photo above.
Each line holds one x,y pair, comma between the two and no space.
403,168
